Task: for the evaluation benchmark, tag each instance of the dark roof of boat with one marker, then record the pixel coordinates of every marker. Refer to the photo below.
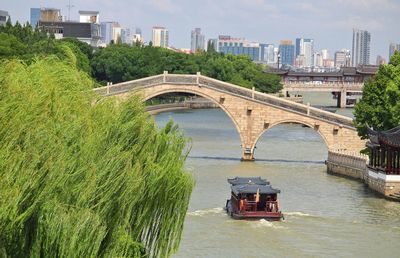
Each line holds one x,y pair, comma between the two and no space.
252,189
248,181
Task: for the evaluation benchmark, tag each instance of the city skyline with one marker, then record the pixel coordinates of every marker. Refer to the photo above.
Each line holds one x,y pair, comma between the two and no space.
329,24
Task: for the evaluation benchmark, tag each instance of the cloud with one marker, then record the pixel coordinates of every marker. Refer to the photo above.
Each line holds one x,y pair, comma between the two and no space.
391,5
165,6
359,23
308,7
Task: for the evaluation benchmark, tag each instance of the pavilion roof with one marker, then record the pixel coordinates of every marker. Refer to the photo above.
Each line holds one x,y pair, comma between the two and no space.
389,137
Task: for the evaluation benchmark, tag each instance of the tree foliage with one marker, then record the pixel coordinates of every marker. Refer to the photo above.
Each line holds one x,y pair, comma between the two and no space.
118,63
21,41
380,104
82,177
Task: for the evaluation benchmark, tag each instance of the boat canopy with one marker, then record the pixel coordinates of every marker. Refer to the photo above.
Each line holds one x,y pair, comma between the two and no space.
253,188
248,181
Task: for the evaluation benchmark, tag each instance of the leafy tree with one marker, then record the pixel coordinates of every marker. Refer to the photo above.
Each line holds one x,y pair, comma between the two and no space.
84,47
10,46
210,47
380,103
267,83
119,63
80,179
219,68
238,80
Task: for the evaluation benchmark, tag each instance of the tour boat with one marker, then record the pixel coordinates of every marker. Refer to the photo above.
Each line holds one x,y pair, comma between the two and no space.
253,198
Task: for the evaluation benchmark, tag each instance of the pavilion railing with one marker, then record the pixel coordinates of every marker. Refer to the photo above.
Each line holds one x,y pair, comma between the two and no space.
199,80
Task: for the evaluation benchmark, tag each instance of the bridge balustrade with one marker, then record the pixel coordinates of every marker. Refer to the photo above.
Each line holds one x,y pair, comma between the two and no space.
277,101
225,87
181,79
322,84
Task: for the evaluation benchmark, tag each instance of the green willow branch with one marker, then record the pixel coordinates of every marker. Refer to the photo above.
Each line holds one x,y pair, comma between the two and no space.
84,180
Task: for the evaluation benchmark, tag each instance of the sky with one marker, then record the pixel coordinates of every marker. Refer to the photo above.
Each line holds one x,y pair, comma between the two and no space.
328,22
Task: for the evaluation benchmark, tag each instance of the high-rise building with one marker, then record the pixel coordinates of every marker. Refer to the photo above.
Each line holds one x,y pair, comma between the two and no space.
380,60
325,54
116,33
317,59
50,21
197,40
239,46
392,48
276,53
361,47
35,17
89,17
4,17
342,58
85,32
110,31
44,15
267,54
304,50
212,43
286,52
126,36
160,37
131,36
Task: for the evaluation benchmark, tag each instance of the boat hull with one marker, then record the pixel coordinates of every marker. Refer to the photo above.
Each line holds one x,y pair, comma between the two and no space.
252,214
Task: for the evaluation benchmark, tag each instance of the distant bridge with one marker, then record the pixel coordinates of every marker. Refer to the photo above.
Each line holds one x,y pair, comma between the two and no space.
252,112
342,88
347,79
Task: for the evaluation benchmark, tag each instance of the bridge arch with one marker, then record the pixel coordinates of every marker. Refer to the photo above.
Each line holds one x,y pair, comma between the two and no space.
295,121
201,94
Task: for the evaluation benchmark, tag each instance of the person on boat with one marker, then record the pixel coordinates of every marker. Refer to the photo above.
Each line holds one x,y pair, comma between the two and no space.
241,205
269,204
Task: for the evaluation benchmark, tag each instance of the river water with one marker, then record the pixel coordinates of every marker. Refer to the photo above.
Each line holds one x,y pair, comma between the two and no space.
325,215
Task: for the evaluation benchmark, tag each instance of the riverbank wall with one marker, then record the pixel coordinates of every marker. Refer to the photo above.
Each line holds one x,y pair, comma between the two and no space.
196,103
355,166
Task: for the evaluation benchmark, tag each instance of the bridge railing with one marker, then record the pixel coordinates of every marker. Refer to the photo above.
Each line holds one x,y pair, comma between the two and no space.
225,87
317,83
181,78
276,101
130,85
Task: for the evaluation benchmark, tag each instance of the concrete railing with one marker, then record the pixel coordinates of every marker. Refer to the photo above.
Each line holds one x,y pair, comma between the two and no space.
348,159
203,81
311,84
326,86
196,103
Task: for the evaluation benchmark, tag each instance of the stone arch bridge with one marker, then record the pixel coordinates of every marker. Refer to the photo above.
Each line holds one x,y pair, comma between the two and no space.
252,112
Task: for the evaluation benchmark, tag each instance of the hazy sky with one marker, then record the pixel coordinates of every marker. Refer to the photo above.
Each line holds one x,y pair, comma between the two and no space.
328,22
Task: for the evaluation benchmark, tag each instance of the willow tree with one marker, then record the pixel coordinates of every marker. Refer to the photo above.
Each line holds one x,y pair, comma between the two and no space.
82,176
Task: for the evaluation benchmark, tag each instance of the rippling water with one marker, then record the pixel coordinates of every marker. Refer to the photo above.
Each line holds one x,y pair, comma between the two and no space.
325,215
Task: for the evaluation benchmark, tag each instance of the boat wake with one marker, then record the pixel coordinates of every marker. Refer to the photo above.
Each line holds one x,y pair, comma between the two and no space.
201,213
297,214
262,223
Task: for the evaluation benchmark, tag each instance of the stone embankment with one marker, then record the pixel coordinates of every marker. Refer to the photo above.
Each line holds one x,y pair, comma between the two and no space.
354,165
195,103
